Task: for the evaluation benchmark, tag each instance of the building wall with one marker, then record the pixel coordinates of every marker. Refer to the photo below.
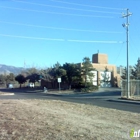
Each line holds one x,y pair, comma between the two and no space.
101,68
100,58
100,63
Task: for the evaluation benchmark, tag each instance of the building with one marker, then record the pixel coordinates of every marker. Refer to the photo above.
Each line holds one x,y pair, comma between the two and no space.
105,74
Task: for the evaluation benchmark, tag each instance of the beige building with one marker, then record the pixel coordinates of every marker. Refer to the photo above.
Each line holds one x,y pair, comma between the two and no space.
105,74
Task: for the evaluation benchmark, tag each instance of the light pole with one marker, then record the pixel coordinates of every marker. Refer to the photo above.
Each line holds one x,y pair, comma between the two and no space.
127,42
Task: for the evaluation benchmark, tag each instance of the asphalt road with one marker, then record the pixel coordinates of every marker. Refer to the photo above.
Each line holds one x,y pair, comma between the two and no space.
103,98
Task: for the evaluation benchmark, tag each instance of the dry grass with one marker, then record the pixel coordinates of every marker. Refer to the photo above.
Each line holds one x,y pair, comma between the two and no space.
58,120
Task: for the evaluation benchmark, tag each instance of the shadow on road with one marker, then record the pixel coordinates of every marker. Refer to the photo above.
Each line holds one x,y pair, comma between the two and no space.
39,92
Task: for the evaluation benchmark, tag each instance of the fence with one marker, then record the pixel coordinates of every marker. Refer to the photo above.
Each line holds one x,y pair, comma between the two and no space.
134,88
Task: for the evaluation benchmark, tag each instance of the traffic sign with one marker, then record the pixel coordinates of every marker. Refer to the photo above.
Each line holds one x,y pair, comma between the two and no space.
59,80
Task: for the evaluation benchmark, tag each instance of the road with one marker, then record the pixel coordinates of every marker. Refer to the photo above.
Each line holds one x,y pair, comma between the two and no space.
103,98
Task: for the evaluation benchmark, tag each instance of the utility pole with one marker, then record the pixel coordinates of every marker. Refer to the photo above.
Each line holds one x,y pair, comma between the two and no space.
126,25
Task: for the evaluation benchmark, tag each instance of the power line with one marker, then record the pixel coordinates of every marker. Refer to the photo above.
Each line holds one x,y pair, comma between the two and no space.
56,12
87,5
54,39
95,41
61,7
56,28
119,52
36,38
136,48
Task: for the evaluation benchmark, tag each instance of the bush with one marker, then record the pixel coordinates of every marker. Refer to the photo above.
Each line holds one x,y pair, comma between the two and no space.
78,86
89,87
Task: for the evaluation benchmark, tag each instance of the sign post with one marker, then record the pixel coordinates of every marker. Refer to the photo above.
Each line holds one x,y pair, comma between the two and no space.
59,81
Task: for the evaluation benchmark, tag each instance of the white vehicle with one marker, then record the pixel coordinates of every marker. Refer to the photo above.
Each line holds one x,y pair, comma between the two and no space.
31,85
10,86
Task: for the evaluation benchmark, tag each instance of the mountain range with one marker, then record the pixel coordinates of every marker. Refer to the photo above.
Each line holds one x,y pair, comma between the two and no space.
5,69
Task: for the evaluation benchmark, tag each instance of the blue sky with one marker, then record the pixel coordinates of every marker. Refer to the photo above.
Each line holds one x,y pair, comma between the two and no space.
41,32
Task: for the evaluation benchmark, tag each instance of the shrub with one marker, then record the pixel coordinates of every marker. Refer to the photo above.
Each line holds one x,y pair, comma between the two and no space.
82,88
78,86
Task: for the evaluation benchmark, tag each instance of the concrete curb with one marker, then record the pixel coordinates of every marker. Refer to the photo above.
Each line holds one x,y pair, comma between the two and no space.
125,101
6,94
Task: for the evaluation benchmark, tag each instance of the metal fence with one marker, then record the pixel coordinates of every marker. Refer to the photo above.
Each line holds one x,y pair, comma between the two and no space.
134,88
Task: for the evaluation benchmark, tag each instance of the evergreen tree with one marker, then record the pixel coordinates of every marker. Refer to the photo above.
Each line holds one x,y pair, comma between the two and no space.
56,72
73,73
124,74
136,71
2,79
86,70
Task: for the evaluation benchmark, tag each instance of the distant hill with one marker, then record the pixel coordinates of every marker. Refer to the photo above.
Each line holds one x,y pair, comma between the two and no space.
4,69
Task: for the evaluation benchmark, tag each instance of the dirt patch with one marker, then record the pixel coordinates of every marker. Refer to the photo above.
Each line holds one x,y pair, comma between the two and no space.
59,120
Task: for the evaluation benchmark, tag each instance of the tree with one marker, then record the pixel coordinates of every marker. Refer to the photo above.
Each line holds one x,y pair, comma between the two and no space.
21,79
87,69
45,74
32,70
73,73
124,74
2,79
33,78
57,71
136,71
10,78
106,77
132,72
32,75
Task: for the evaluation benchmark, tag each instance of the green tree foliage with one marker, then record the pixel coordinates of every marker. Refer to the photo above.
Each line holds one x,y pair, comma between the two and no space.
87,69
73,73
32,70
32,75
20,79
105,75
33,78
106,69
2,79
45,74
136,71
10,78
57,71
124,74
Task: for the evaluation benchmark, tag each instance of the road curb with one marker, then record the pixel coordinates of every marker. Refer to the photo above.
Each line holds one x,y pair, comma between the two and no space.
2,94
125,101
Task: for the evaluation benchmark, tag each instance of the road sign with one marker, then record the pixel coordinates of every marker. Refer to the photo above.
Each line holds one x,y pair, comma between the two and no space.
59,80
